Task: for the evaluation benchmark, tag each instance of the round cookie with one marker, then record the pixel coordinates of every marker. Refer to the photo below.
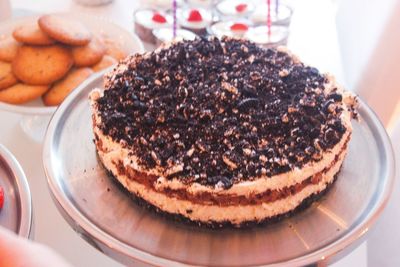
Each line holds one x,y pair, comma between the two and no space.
65,30
7,78
22,93
41,65
8,49
62,88
30,33
89,54
105,62
113,48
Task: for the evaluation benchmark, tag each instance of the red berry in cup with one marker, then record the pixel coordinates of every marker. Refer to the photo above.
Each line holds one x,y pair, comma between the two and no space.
241,8
157,17
195,16
1,197
239,27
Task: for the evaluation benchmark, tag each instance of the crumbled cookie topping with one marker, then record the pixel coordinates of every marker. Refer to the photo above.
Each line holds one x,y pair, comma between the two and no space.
221,111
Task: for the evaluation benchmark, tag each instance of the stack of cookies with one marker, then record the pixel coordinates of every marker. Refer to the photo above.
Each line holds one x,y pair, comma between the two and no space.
50,57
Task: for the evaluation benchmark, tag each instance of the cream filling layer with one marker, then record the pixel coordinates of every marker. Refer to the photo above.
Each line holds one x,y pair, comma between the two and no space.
234,214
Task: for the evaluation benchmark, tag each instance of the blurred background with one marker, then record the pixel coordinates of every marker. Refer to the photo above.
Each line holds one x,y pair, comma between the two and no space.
356,41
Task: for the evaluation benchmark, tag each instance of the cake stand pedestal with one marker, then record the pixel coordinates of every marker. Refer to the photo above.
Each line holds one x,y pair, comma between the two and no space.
101,212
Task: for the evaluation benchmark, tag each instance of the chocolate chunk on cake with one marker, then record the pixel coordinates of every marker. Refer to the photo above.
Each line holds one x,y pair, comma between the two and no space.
221,131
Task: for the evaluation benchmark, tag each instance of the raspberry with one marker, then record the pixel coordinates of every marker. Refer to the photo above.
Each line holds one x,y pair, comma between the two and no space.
157,17
195,16
1,197
239,27
241,8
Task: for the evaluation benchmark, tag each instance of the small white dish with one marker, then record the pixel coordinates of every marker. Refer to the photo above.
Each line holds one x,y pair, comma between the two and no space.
16,214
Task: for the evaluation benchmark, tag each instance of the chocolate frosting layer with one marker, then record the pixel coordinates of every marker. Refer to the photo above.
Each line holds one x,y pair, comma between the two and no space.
224,110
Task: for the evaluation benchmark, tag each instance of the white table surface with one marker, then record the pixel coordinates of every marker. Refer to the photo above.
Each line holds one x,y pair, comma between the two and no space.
317,47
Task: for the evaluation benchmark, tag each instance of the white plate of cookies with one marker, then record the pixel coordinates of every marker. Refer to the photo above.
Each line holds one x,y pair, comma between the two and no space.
45,57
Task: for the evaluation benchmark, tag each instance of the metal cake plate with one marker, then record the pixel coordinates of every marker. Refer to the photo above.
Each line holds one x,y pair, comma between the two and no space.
16,214
98,209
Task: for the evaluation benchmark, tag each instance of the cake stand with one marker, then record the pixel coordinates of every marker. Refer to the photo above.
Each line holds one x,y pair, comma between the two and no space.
16,214
106,217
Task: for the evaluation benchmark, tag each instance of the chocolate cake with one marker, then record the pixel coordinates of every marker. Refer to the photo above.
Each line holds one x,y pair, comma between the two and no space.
221,130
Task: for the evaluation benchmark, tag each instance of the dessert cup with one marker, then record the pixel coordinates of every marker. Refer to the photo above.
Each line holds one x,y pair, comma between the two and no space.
196,20
278,35
234,9
147,20
280,16
166,35
231,28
